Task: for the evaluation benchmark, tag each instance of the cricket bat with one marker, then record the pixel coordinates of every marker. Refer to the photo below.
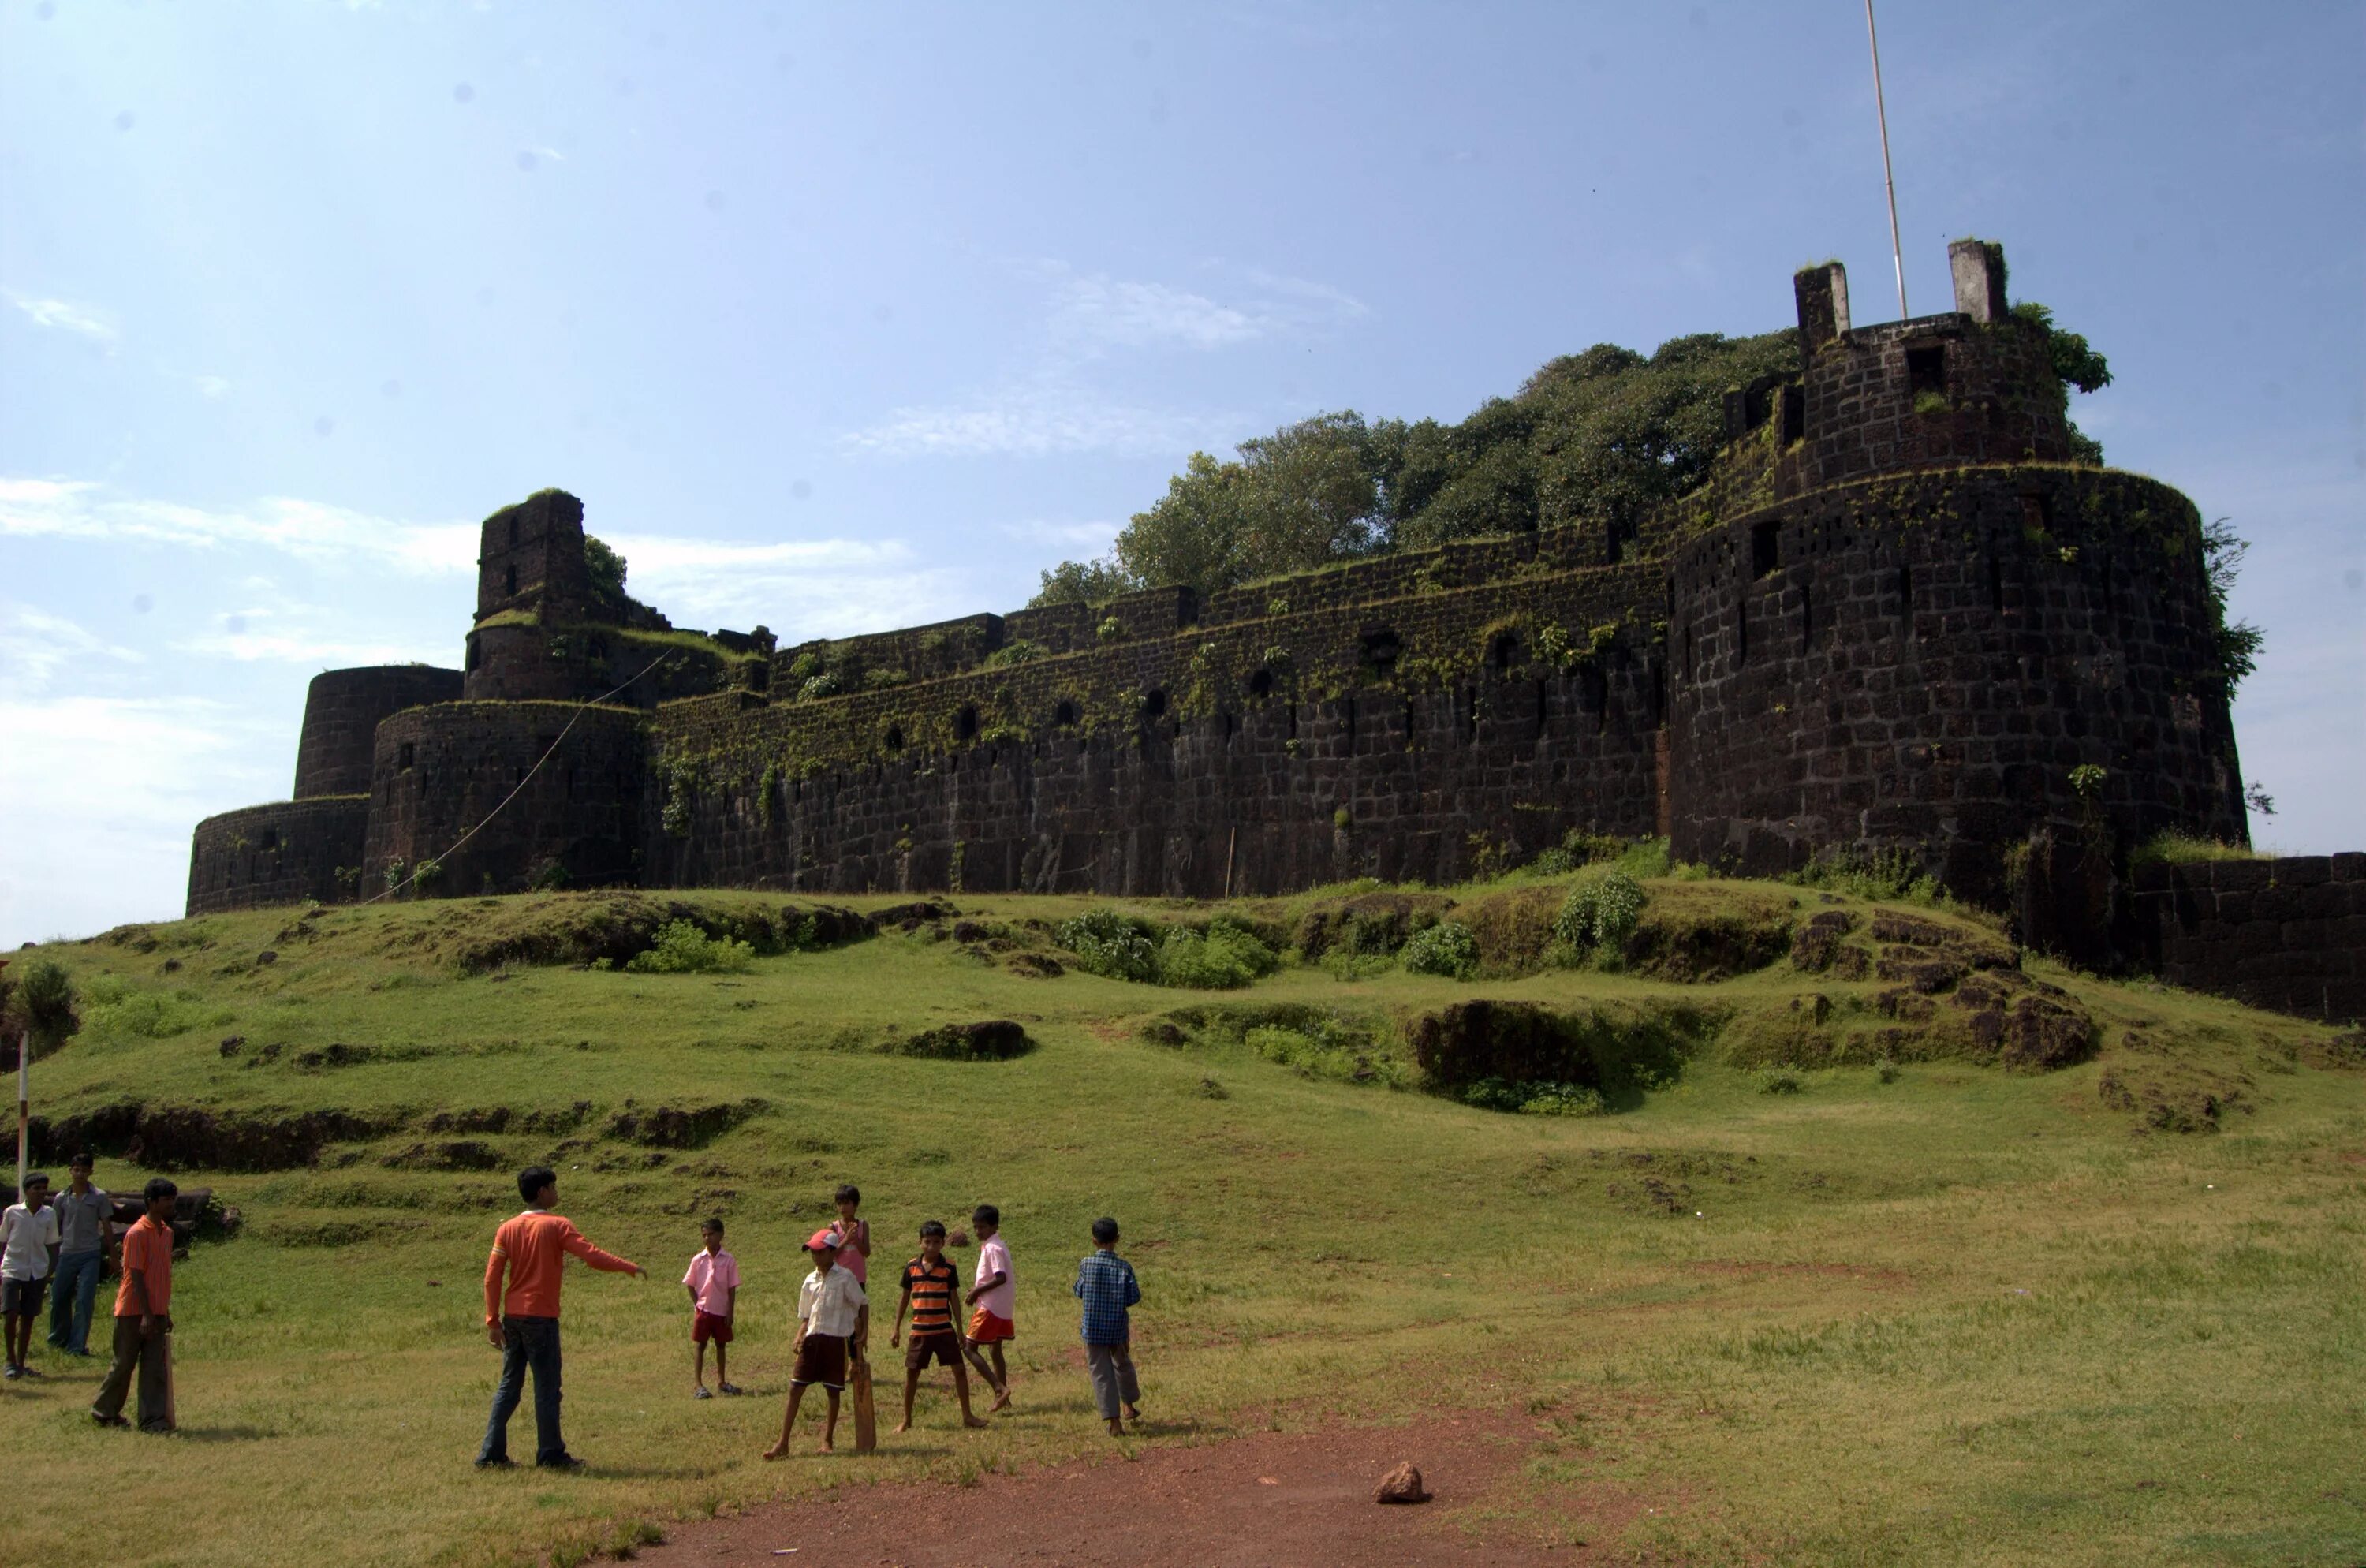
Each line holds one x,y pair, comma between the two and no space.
866,1419
172,1415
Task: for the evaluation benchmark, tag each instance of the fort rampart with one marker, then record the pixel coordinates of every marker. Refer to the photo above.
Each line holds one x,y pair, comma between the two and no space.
1898,620
2287,934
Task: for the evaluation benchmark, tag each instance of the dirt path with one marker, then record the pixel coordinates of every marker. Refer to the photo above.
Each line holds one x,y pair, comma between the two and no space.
1301,1498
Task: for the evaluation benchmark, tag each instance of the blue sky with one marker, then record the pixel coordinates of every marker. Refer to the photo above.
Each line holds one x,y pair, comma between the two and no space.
841,319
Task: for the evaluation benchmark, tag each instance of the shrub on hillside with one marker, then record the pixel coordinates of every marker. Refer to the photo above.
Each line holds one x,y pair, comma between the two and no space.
1224,958
683,948
1448,948
1110,944
1600,914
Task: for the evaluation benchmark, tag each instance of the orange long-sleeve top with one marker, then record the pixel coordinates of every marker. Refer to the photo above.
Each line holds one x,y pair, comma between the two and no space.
532,1247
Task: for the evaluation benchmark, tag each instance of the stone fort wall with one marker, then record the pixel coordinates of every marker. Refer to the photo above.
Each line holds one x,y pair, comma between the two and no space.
341,713
2287,934
1895,621
287,853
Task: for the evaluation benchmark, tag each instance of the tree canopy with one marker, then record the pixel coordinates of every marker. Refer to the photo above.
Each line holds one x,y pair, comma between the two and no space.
1597,438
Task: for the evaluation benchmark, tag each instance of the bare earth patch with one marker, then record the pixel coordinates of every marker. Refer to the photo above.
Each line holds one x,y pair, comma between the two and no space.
1265,1498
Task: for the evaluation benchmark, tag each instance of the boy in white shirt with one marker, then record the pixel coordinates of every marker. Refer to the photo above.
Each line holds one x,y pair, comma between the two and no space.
993,1300
28,1251
833,1316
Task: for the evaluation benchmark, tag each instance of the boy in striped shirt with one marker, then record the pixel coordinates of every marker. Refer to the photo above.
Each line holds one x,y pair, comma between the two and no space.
929,1286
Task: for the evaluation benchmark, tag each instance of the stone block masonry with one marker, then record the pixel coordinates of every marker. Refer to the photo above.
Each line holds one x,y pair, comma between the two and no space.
2286,934
341,713
290,851
1894,622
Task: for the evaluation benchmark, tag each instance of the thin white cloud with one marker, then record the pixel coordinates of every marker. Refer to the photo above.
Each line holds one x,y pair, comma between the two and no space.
211,386
1055,406
63,315
311,531
300,648
1092,536
1036,420
36,645
101,793
1100,310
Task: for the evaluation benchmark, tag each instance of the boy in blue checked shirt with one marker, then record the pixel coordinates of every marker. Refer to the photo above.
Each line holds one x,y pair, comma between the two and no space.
1105,1283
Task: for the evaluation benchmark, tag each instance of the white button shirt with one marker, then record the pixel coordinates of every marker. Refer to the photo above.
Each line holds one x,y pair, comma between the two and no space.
830,1303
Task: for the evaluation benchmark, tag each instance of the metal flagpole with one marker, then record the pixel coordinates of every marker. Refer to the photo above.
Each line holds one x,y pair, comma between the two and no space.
1897,254
24,1108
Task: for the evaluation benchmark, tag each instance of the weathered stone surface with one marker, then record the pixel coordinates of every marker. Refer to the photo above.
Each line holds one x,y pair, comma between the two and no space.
1402,1484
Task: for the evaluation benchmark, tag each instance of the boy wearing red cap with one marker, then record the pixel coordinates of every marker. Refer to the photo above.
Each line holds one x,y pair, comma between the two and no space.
833,1316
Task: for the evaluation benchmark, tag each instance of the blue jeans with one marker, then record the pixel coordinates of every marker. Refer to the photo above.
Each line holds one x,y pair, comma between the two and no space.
533,1342
72,1294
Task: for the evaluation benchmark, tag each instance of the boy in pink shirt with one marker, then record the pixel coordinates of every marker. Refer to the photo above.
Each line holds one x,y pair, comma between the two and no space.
713,1280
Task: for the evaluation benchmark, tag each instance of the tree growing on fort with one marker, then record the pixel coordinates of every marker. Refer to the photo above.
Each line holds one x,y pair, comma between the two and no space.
2076,361
605,567
1594,437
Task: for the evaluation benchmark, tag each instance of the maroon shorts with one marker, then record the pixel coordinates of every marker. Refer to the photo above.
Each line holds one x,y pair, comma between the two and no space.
822,1359
941,1345
705,1326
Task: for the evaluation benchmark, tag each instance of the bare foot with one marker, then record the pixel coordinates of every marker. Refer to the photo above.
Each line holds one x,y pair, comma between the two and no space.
903,1426
968,1421
1117,1428
778,1450
824,1448
1002,1399
1133,1414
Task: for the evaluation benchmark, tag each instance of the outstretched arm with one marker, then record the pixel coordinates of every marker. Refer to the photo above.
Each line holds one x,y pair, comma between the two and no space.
575,1242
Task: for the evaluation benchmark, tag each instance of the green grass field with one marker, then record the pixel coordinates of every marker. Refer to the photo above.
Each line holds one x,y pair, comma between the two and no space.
1935,1312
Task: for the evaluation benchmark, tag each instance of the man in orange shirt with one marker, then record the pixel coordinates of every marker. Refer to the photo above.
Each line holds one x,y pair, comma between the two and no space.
143,1320
524,1322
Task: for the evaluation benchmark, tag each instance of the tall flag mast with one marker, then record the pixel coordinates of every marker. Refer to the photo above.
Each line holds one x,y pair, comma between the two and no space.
1897,256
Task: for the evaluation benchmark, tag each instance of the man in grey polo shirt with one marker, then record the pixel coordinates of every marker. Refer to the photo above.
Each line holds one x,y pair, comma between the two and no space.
85,1222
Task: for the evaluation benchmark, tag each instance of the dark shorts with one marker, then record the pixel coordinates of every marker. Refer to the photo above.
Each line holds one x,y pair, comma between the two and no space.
822,1359
22,1295
942,1345
706,1326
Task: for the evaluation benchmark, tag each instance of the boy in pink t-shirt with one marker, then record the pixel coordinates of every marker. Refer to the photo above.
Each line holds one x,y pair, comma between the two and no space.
994,1299
713,1280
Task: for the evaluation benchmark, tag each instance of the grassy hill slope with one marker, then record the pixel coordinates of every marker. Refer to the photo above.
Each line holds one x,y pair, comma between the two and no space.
1918,1309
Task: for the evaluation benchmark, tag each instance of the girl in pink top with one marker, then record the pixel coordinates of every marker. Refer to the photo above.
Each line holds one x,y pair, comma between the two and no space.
853,1234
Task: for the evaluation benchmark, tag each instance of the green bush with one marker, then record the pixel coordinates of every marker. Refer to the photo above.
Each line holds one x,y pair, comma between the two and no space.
1446,948
1339,1054
1539,1099
683,949
117,1009
1226,958
1600,913
1110,944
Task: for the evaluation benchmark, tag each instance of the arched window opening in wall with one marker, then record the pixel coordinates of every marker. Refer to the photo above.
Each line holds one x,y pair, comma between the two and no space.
513,533
404,756
1381,649
1065,715
894,738
1154,704
1794,414
270,839
475,656
965,722
509,580
1766,547
1504,652
1261,682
